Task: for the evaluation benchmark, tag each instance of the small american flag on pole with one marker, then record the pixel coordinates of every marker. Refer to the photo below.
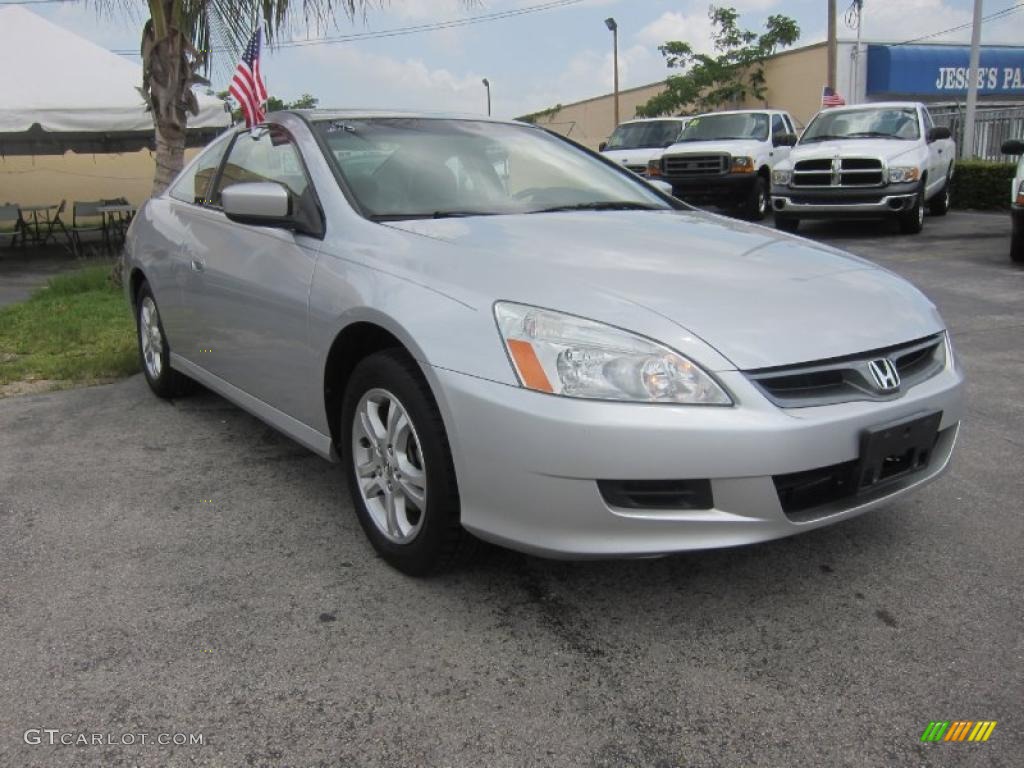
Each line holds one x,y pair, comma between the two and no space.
247,84
829,98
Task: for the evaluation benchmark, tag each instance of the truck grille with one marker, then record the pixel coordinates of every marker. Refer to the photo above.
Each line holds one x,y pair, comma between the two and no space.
844,379
851,172
695,165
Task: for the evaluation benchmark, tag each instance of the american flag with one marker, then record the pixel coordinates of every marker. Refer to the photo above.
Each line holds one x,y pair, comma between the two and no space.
247,84
829,98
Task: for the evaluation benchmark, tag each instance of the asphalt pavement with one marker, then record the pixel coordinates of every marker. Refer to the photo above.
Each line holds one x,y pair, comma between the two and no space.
180,568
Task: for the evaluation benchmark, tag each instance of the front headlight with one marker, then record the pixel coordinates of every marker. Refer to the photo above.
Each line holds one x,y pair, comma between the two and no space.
742,164
900,174
1020,194
568,355
654,167
781,178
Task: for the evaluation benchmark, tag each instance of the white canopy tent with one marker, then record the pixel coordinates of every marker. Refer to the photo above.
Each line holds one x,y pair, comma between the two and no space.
62,92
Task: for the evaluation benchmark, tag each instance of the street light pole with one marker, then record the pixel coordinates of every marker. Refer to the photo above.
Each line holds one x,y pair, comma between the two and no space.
610,23
487,85
967,150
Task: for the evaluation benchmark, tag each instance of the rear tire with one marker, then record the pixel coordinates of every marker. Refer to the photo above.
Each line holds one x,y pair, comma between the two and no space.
758,201
939,205
912,221
787,223
154,351
399,467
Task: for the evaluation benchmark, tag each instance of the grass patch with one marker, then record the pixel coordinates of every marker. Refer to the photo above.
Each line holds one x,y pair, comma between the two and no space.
77,329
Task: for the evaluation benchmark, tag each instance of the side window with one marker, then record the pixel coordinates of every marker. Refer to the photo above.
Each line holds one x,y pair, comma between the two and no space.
267,153
778,125
928,122
193,186
790,128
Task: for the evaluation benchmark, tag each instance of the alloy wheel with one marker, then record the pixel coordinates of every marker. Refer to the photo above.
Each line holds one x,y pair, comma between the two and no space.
389,465
151,338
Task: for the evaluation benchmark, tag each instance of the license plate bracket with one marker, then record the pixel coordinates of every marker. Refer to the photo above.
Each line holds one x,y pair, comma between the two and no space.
892,451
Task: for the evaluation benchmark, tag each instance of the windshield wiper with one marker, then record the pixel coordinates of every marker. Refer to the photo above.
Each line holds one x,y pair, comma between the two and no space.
822,137
605,205
434,215
872,135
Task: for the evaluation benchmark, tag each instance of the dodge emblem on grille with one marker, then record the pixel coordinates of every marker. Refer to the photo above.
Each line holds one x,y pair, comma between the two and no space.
886,377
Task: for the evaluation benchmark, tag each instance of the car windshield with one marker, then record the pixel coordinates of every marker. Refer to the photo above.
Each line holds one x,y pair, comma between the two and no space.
872,123
650,134
405,168
737,125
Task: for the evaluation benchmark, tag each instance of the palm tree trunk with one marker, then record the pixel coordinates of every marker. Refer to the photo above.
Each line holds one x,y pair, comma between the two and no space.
170,155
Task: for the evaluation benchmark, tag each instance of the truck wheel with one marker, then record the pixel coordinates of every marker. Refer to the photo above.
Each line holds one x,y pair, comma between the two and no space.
939,205
1017,241
786,223
758,201
912,220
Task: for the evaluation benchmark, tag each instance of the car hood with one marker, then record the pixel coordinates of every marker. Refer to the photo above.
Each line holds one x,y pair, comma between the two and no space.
889,150
739,147
759,297
633,156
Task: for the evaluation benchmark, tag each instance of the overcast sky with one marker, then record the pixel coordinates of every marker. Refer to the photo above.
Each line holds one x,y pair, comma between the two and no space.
534,60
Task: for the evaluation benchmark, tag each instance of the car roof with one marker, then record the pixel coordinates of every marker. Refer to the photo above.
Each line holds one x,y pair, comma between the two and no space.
743,112
654,119
876,105
351,114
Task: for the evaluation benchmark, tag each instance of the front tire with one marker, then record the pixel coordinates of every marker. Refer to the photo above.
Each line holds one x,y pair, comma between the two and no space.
755,207
154,352
399,466
912,221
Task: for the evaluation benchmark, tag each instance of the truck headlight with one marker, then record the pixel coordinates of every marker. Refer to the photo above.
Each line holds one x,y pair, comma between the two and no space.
654,167
781,178
901,174
742,164
567,355
1020,194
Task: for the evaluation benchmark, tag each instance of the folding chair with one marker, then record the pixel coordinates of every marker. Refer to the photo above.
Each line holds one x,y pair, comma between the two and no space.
11,225
85,217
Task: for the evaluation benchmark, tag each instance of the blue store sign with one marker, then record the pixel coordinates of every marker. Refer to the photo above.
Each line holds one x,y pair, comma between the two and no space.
941,70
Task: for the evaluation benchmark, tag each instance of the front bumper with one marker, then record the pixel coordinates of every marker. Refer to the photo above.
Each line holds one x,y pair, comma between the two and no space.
867,203
712,190
528,463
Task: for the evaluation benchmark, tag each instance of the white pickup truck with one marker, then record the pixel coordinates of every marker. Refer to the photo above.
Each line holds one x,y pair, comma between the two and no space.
726,158
866,161
1016,147
634,143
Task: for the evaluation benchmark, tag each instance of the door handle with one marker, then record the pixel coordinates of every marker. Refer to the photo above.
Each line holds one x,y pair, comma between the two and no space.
197,265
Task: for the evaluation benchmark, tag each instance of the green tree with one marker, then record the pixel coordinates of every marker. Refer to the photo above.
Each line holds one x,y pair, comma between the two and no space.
732,74
176,41
305,101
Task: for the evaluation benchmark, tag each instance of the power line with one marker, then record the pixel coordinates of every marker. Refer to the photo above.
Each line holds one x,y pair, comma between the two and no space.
35,2
996,15
416,29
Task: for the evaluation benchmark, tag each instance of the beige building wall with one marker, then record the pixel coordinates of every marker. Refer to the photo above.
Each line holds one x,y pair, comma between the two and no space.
794,80
52,178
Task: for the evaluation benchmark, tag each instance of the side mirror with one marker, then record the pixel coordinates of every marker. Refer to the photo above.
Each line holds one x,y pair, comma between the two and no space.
263,203
601,147
1013,147
939,132
662,186
784,140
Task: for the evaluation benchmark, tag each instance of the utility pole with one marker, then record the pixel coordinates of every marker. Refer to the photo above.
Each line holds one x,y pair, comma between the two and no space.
831,75
610,23
967,150
487,85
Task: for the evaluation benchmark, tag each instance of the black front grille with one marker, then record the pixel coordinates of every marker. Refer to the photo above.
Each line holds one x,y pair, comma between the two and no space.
695,165
657,494
845,200
843,379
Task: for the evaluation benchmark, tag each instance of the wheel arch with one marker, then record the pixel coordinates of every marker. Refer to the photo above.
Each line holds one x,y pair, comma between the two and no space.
135,280
363,334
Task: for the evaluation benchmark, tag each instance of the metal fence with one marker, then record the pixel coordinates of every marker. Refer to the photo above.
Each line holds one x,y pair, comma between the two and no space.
992,127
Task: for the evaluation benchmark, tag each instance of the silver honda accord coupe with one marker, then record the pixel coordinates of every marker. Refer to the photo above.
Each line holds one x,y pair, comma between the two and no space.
503,336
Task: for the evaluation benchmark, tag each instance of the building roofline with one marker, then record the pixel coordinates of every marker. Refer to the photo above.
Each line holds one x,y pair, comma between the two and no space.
779,55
